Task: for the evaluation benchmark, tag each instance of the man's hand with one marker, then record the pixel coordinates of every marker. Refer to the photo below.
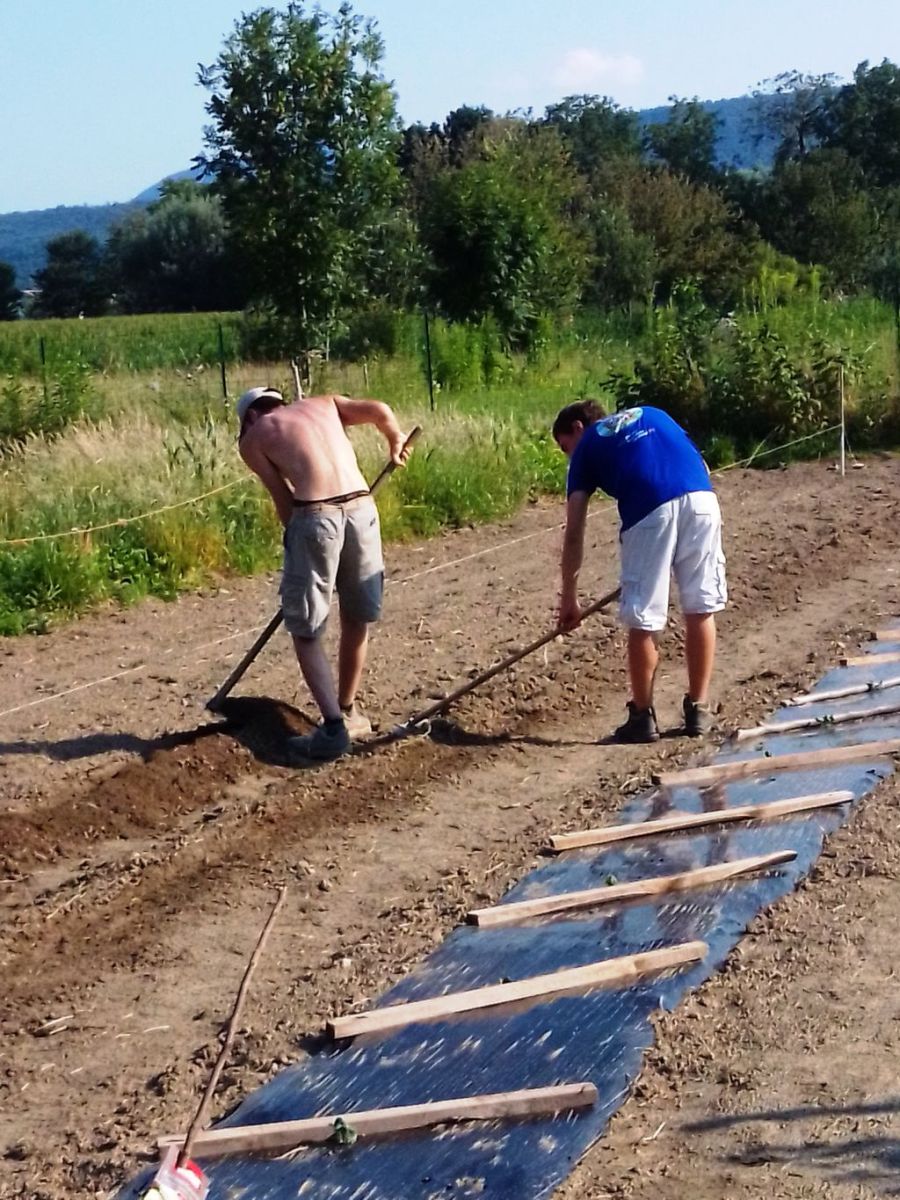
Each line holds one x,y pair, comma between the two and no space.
569,613
399,450
570,565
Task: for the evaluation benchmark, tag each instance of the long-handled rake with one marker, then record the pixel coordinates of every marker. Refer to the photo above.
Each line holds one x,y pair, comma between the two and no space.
418,723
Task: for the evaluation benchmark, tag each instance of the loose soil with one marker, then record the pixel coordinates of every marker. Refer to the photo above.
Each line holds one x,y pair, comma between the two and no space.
142,840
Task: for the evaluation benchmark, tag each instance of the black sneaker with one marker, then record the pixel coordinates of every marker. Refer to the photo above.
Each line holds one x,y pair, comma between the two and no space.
698,719
641,726
320,745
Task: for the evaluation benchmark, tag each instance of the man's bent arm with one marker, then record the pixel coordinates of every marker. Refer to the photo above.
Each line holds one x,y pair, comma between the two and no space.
374,412
572,553
282,496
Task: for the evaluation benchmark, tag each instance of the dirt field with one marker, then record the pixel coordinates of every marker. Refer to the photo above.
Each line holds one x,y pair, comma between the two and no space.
142,841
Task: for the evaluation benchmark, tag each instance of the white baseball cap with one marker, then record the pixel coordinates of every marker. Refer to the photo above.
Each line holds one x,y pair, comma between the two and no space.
249,398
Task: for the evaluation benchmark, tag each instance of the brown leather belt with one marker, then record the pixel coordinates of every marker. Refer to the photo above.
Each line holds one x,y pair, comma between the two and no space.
333,500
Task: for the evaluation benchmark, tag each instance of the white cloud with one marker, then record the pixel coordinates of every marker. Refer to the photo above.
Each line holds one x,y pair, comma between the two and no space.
585,70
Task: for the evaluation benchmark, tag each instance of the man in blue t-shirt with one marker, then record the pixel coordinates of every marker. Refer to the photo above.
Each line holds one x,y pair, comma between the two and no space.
670,523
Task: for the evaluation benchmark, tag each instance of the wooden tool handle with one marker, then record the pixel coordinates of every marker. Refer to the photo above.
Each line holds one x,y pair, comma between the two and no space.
433,709
205,1101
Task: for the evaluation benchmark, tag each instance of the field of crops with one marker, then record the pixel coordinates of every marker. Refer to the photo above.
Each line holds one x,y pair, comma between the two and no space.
124,435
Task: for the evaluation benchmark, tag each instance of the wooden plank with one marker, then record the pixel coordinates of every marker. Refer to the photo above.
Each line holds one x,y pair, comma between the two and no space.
285,1135
660,885
852,689
866,660
886,635
627,969
675,824
838,718
767,764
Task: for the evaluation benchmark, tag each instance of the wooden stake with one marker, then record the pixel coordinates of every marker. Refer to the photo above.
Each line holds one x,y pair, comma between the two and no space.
839,718
285,1135
298,386
768,764
675,824
539,987
853,689
661,885
868,660
200,1115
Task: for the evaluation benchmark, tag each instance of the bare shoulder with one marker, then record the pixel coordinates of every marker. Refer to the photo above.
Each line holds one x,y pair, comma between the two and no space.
249,447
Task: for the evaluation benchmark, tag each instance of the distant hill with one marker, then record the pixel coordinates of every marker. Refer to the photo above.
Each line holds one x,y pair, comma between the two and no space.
148,195
23,235
735,144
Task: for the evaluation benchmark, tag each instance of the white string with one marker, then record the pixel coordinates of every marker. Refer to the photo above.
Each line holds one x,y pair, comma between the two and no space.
398,582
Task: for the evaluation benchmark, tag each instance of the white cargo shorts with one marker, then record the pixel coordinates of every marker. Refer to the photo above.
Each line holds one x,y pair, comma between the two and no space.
681,537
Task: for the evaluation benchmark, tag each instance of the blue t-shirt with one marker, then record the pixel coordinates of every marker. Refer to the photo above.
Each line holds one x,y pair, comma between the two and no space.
640,457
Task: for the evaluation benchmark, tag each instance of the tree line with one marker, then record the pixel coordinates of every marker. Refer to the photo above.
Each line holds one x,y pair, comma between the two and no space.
321,205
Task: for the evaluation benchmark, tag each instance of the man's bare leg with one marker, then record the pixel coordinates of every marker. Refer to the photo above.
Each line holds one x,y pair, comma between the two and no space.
351,659
700,653
643,659
316,670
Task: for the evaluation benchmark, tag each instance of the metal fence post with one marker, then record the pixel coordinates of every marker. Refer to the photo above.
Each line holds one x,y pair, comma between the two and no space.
222,363
428,357
43,350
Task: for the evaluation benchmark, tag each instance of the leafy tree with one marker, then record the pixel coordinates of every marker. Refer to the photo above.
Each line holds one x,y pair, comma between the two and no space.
624,261
10,296
595,130
884,259
175,255
693,230
425,151
501,236
863,120
461,127
71,284
818,211
686,142
302,147
789,107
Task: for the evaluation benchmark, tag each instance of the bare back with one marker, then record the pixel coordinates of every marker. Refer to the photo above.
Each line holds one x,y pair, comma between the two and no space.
307,444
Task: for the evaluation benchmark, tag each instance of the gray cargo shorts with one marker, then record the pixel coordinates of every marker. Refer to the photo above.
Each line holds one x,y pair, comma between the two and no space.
330,547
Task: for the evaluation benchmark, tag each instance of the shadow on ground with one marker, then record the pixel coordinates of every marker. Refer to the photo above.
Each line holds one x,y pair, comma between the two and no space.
865,1158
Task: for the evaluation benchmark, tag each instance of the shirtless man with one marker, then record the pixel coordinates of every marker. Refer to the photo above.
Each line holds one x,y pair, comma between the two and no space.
332,540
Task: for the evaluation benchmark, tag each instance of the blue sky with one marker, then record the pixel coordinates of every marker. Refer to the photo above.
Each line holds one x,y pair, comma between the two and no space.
100,99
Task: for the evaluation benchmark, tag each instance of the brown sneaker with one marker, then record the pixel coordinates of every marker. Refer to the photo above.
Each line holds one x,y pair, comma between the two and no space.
698,719
640,727
358,724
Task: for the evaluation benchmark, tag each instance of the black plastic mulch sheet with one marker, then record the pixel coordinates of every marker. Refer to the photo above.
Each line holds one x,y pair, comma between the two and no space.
598,1037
